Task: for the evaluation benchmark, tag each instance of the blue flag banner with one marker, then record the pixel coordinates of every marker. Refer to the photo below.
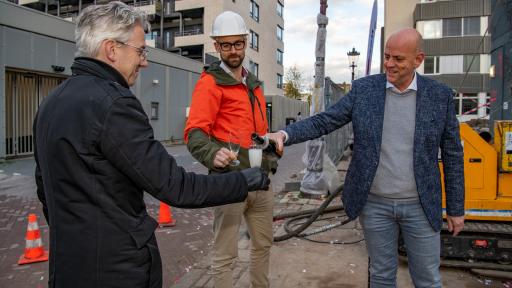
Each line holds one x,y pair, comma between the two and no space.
371,37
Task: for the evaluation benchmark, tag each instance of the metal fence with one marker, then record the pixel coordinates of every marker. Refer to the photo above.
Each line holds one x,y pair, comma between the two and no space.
24,93
338,141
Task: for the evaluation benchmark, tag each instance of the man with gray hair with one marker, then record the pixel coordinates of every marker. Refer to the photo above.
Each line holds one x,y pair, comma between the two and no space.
95,154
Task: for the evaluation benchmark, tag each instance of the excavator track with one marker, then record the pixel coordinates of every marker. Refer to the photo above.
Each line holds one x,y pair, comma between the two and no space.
481,245
484,227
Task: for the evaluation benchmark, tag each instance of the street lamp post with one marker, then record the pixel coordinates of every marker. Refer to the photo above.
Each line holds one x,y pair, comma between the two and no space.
353,56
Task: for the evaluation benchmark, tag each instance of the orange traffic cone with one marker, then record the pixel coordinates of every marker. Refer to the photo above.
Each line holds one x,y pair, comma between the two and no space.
165,218
34,250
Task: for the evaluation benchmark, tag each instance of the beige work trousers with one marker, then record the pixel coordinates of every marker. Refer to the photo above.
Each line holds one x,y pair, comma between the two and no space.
257,210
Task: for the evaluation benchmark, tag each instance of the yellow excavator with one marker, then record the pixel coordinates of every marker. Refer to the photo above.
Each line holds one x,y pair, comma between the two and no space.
486,241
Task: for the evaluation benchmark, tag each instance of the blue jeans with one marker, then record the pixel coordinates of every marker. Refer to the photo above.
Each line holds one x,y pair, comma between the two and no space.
382,219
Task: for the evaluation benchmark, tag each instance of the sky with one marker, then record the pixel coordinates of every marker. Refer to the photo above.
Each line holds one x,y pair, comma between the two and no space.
349,24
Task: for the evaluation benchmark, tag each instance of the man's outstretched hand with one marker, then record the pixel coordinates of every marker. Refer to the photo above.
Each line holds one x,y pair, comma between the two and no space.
256,179
278,138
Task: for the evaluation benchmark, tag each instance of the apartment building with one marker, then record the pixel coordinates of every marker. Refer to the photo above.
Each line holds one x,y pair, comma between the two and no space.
36,54
187,24
184,26
457,45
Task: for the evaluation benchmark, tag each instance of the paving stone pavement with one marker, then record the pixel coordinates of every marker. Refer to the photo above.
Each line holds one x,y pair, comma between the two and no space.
284,202
297,263
181,247
185,248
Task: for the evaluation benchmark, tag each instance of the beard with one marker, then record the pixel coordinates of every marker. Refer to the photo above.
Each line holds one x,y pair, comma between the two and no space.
233,61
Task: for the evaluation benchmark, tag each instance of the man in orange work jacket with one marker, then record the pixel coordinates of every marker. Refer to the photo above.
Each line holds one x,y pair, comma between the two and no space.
228,99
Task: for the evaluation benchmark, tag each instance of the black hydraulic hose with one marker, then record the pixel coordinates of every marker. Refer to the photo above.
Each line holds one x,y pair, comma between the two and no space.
306,212
322,229
320,210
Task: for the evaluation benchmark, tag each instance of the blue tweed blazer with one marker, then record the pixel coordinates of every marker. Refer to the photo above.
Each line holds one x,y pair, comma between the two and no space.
436,127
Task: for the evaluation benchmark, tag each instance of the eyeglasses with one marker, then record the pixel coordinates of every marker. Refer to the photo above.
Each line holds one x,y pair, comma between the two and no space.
226,46
143,52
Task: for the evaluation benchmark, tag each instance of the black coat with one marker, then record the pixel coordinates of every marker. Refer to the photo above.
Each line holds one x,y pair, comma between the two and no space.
95,155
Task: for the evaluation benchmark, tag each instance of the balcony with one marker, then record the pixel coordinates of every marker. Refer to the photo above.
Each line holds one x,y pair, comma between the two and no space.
182,5
69,16
148,7
25,2
189,32
189,36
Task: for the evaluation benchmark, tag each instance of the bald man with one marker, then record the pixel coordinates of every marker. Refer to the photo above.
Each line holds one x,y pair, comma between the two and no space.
401,120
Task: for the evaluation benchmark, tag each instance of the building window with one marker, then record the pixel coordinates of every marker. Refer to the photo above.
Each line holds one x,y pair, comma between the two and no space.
253,40
451,64
254,11
431,65
471,26
280,9
475,66
254,68
279,57
430,29
452,27
154,111
153,35
279,81
279,33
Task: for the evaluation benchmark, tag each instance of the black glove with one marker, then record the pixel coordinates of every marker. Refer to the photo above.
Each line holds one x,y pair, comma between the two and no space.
256,179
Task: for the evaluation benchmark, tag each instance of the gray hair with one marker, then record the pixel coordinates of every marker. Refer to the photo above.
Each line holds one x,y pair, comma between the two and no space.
97,23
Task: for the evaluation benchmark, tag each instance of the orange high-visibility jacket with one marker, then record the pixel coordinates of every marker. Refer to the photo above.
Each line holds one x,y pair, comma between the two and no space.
221,104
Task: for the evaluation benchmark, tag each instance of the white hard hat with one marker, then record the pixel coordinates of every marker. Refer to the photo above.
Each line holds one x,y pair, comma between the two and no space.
228,24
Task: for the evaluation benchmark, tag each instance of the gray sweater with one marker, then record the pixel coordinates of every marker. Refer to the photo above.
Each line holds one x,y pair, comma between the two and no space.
395,173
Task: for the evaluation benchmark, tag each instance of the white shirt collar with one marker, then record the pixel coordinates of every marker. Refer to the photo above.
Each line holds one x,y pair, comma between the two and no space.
412,86
226,68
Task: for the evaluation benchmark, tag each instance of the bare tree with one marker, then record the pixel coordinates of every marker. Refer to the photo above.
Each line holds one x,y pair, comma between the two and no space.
294,83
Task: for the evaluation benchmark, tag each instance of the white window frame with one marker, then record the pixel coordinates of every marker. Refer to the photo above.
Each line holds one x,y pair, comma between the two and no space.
437,64
451,64
461,27
280,9
280,33
480,26
477,66
280,56
280,83
254,40
254,10
430,29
